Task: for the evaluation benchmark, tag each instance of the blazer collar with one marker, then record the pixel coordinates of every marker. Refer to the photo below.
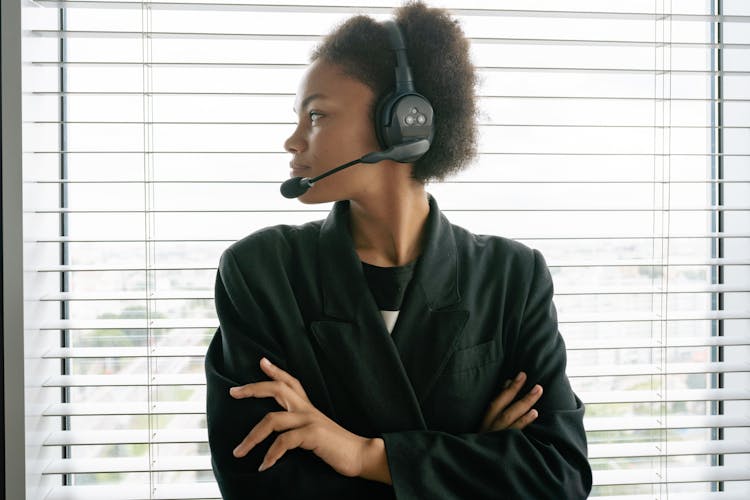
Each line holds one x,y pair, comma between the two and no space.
343,283
398,370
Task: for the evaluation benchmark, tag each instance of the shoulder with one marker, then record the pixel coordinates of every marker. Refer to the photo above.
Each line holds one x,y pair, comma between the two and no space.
500,263
271,244
276,237
496,250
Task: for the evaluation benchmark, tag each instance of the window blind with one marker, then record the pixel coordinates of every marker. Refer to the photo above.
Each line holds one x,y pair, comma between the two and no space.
614,138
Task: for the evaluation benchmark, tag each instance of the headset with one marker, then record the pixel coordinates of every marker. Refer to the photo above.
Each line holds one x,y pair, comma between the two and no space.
403,123
403,116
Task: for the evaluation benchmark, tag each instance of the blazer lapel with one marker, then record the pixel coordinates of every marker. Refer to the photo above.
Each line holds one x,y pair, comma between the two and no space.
425,340
431,322
369,366
397,370
355,340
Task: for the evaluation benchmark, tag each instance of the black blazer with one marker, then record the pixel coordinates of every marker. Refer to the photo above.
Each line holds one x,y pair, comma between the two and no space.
478,310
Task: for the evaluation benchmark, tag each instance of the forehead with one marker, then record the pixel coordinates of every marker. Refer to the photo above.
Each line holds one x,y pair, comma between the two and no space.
326,81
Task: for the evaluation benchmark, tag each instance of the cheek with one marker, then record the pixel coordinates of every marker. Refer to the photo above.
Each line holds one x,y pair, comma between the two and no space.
346,140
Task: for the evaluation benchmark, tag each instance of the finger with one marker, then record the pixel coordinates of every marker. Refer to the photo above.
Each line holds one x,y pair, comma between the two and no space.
525,420
503,400
286,441
264,389
273,422
518,409
277,373
282,393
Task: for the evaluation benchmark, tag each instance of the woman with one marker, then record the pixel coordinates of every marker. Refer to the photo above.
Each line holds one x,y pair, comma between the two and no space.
384,352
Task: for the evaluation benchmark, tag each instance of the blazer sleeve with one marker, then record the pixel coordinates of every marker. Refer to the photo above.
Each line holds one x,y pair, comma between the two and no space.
245,334
547,459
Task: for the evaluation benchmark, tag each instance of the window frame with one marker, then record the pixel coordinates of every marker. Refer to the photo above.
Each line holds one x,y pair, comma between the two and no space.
12,230
12,253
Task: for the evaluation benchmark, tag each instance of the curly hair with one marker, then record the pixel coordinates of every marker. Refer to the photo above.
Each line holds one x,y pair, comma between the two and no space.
438,54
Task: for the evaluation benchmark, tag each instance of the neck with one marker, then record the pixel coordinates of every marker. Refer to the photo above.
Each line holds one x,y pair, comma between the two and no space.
387,228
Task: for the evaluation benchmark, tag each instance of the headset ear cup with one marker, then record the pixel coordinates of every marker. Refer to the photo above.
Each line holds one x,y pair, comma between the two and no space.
406,118
382,119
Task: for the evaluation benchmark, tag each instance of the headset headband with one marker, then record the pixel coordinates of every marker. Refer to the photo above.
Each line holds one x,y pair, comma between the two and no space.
404,81
403,117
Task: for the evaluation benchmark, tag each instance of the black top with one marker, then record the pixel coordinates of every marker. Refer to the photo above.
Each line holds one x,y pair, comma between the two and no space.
388,284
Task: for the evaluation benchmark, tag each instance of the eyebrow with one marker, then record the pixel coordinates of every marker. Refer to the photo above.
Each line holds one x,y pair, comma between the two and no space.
307,100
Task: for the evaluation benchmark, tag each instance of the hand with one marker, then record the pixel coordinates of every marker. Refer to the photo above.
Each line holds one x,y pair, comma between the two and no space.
518,415
302,425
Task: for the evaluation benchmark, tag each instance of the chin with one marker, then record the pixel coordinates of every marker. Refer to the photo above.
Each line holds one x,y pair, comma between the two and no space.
329,192
313,198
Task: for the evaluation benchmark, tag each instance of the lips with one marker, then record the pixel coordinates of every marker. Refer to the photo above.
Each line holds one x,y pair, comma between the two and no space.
298,170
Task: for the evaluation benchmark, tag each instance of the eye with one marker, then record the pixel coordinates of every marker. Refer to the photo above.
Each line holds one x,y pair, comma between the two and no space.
315,116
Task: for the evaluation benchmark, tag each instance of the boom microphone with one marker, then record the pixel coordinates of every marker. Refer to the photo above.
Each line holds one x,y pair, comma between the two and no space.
402,153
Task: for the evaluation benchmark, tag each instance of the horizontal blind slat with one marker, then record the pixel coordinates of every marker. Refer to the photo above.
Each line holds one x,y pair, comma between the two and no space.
93,295
288,94
673,475
594,424
564,318
98,210
573,372
370,9
480,125
572,344
520,237
639,396
141,464
137,491
125,352
575,343
208,294
131,380
125,408
574,289
480,153
200,463
445,183
667,449
708,495
637,316
138,436
589,397
607,370
312,37
552,264
119,324
481,69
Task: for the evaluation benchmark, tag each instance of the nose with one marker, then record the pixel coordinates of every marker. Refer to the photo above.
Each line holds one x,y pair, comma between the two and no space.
295,143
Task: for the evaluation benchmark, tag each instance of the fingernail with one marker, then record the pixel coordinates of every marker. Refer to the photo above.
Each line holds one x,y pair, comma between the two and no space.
520,376
265,362
233,390
534,413
537,389
506,384
262,467
236,452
